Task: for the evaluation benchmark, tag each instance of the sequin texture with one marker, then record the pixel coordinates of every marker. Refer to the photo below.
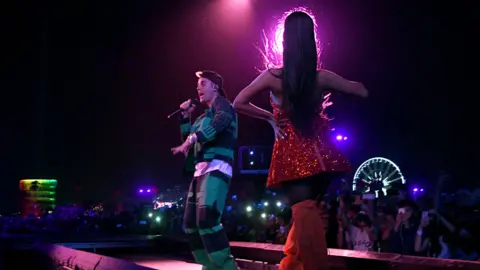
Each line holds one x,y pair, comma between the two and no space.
295,156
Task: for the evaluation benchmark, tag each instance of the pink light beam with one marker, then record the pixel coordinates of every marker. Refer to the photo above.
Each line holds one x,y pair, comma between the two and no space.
273,42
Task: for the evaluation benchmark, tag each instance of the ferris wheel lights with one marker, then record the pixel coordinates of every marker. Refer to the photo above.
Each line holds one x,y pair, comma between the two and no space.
377,174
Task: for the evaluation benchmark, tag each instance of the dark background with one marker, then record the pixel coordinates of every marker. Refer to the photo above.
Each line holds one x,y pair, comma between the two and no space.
86,85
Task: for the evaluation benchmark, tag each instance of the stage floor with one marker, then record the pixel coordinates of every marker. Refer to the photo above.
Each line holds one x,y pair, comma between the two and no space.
161,262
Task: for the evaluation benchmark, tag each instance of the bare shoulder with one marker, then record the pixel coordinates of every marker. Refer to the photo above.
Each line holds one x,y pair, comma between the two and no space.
261,83
267,78
276,72
274,80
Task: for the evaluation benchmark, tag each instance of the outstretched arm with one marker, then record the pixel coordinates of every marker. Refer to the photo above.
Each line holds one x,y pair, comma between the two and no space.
242,101
224,115
333,81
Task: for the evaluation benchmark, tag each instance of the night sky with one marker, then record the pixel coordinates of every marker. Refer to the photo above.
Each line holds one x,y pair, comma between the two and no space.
87,85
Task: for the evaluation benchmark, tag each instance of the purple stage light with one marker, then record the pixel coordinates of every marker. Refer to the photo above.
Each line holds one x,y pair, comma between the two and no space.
147,191
339,137
421,190
415,189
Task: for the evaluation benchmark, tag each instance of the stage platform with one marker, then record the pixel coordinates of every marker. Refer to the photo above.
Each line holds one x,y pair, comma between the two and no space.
162,262
168,253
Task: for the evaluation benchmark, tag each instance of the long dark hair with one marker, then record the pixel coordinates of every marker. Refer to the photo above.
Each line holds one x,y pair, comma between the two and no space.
301,98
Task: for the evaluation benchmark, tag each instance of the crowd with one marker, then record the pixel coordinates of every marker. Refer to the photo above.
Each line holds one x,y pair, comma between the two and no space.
63,223
435,224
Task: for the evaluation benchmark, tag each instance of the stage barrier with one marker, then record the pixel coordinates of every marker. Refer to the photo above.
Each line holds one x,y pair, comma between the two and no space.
253,256
77,259
267,256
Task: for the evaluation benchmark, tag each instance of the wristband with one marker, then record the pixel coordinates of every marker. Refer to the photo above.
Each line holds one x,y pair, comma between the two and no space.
192,138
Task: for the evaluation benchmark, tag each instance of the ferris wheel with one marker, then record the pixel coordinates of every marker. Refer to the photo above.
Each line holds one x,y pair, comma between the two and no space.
377,174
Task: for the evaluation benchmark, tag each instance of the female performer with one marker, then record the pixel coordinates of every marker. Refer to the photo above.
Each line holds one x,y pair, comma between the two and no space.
304,158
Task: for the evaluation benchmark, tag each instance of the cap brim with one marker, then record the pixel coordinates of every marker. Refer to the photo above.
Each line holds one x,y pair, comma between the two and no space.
199,74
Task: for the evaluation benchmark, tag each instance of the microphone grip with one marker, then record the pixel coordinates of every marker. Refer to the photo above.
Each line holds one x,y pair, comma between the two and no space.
193,102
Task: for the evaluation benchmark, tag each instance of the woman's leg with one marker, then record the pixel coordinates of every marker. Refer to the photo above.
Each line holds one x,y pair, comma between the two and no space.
306,247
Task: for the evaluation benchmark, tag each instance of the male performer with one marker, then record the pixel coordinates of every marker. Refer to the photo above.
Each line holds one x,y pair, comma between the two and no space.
214,138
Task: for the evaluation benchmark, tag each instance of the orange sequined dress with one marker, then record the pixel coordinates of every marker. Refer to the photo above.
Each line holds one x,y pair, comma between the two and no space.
296,156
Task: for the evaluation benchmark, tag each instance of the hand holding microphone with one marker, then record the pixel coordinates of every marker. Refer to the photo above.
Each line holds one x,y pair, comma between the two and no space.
187,107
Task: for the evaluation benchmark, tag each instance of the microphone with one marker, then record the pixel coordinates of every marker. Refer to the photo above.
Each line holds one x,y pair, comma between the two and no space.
193,102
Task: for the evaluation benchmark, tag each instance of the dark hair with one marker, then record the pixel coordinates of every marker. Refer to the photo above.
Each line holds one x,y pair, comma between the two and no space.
301,97
362,217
